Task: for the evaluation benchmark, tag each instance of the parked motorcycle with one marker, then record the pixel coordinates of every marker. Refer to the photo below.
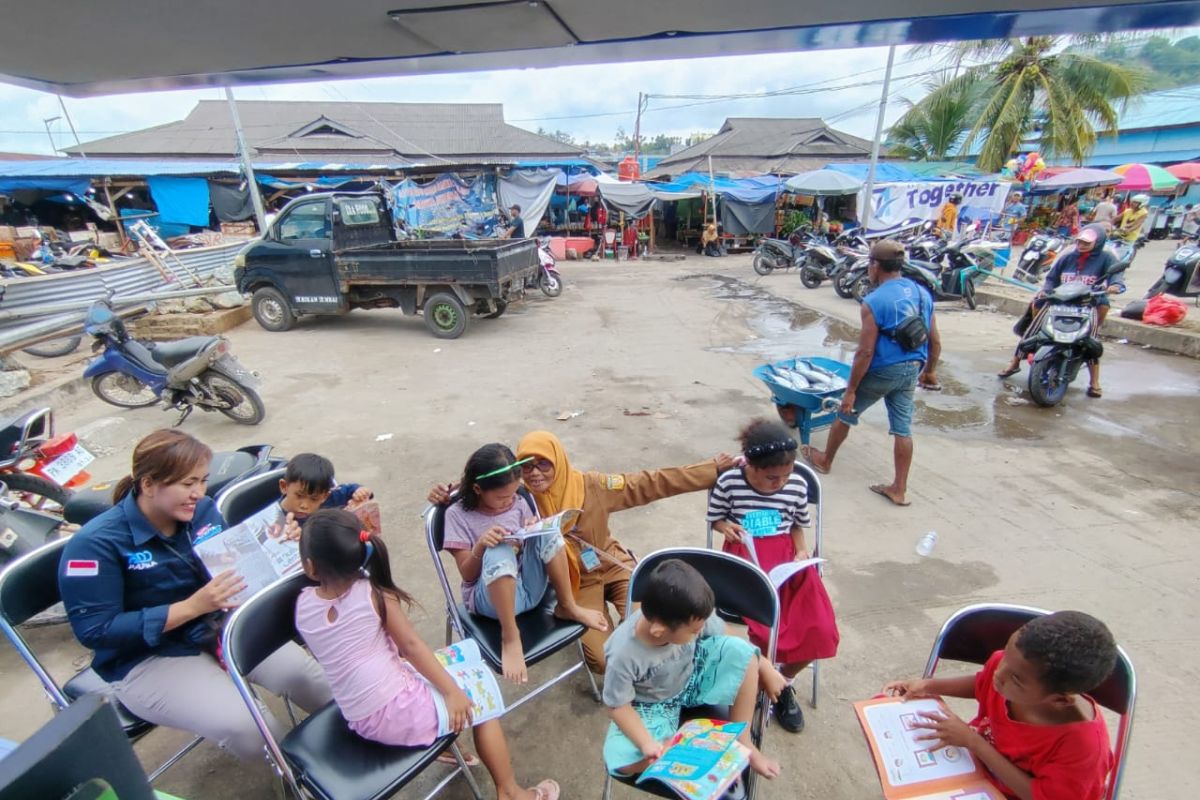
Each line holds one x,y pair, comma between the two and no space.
822,262
1038,256
951,274
22,529
198,372
39,468
775,254
1062,339
549,281
1179,273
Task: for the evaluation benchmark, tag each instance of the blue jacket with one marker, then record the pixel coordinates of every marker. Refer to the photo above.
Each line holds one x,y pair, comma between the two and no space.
340,496
118,575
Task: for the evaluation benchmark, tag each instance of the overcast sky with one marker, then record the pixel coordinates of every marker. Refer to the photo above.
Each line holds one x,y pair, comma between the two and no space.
590,102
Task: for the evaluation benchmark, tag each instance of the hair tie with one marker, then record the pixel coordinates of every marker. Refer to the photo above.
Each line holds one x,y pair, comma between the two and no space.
505,468
364,536
770,448
370,551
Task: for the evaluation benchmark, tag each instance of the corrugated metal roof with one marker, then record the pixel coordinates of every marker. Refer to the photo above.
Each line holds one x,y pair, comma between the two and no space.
1163,109
110,167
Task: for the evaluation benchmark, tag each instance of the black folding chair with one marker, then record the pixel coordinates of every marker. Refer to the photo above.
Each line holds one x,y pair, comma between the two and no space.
29,586
972,634
542,633
248,496
321,756
817,507
742,590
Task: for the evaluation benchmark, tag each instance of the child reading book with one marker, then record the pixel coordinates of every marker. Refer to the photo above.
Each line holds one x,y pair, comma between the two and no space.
670,655
503,578
307,486
1037,732
761,509
386,681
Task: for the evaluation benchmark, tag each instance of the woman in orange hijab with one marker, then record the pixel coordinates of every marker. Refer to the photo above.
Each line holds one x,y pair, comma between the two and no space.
603,563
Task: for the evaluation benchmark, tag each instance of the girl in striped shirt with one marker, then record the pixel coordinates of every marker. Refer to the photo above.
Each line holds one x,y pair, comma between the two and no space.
767,500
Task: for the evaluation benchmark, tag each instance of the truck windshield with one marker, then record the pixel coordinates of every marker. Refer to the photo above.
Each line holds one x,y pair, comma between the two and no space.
361,211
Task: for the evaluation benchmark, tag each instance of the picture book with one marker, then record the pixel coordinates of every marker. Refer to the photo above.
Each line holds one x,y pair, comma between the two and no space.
908,768
254,547
467,668
702,760
368,516
562,522
780,573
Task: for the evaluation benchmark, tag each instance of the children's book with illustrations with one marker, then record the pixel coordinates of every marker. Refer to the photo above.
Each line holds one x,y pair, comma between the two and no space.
254,547
368,516
702,760
908,768
562,522
466,666
780,573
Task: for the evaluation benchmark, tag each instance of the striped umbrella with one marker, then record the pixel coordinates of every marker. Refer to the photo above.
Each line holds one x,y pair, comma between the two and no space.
1189,171
1145,178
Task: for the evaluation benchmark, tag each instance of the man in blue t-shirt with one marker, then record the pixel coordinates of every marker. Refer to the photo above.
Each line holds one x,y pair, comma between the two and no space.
884,369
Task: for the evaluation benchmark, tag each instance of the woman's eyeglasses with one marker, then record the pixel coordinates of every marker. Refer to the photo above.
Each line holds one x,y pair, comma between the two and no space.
542,465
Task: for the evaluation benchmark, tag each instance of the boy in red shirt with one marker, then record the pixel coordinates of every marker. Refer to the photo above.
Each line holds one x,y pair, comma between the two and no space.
1038,734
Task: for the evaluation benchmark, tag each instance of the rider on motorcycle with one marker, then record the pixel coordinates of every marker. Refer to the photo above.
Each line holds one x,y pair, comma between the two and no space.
1087,263
947,223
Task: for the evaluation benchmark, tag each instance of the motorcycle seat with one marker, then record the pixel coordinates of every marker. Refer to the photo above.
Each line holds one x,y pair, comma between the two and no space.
170,354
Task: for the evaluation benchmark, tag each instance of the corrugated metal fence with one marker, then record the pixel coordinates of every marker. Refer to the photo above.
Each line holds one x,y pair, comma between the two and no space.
132,276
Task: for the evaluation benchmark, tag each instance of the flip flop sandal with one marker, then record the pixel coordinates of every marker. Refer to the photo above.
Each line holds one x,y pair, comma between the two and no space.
879,490
470,759
931,387
806,453
1008,373
1094,392
546,790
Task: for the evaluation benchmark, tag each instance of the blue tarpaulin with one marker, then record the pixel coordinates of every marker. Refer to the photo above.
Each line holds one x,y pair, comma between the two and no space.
73,185
446,204
884,172
323,182
181,200
747,190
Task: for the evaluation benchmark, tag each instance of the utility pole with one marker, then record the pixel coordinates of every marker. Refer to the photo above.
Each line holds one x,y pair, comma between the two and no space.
49,135
637,133
260,214
75,133
864,213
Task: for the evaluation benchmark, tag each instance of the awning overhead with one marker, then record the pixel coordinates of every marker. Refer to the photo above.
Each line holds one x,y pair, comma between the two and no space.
227,42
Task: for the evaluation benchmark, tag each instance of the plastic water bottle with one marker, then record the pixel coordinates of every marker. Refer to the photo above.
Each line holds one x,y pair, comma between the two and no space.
927,543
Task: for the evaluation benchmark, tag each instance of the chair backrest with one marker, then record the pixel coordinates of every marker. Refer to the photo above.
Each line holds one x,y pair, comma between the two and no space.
741,588
249,496
29,585
973,633
813,480
82,743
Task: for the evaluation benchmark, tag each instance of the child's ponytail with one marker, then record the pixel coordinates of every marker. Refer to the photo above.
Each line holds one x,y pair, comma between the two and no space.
378,567
340,550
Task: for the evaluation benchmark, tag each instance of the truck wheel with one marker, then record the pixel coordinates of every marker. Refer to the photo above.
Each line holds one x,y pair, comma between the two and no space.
501,307
272,310
445,316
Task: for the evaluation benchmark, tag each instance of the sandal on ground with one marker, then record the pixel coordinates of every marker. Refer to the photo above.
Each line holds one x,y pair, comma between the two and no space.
806,453
881,490
1092,391
470,759
930,387
1008,373
546,790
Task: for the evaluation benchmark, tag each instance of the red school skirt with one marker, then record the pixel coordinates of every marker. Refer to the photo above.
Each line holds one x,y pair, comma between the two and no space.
807,627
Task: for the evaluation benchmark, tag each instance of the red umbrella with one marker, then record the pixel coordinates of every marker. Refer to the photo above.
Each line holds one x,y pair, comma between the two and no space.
1189,171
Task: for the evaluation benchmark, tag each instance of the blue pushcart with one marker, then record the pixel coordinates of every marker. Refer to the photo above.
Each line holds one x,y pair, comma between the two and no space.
805,411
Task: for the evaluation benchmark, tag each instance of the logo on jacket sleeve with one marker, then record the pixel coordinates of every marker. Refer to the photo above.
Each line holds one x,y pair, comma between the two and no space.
80,568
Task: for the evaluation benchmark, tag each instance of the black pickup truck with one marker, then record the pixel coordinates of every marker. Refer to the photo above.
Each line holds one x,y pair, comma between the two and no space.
332,252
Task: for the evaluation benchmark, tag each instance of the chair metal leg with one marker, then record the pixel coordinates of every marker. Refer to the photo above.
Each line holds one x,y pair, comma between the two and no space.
466,772
816,669
291,710
173,760
449,631
607,786
590,674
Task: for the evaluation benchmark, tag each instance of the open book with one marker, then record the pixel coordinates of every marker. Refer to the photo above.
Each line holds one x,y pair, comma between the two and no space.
467,668
562,522
780,573
702,760
254,547
908,768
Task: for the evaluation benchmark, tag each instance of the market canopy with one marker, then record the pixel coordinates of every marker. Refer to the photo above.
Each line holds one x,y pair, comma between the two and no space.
1145,178
1189,171
822,182
53,43
1079,179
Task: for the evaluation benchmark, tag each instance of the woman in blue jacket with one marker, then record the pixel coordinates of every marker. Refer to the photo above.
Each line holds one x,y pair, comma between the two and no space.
139,596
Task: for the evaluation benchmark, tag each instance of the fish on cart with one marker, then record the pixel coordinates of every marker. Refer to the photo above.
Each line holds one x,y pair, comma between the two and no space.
806,377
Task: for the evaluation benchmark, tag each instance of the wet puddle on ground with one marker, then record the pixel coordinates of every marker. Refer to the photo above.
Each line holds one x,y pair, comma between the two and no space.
971,402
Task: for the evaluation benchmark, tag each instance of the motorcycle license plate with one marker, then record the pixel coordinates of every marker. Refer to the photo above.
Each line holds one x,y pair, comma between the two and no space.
68,465
234,369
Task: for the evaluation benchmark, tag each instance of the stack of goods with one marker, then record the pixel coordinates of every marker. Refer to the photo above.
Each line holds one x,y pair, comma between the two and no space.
804,376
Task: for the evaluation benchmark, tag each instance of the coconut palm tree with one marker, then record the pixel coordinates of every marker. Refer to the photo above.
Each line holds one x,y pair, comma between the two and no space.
934,130
1026,83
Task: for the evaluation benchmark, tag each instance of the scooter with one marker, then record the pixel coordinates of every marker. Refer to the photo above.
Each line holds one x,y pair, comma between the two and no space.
198,372
822,262
39,468
1179,274
1062,339
777,254
22,530
548,280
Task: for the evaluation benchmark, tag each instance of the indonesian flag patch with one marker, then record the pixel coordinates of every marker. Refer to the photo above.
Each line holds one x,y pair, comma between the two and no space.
78,568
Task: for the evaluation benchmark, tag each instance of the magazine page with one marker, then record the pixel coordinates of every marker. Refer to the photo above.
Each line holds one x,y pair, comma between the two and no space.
702,759
562,522
780,574
908,767
255,548
466,667
368,516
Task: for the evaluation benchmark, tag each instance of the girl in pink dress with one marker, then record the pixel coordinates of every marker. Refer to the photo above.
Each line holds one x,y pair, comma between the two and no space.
386,681
766,500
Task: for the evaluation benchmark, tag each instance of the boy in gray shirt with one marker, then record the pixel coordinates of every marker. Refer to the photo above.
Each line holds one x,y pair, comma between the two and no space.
672,655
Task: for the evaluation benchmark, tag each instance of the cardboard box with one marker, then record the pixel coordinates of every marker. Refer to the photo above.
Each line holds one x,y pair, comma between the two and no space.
8,233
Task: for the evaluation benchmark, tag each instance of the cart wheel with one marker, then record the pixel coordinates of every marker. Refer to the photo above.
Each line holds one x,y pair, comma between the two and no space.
445,316
501,307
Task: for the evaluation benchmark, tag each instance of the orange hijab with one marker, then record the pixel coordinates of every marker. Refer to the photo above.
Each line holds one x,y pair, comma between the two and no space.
566,490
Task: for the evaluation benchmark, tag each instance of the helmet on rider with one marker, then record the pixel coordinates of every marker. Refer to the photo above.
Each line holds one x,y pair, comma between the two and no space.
1140,199
956,197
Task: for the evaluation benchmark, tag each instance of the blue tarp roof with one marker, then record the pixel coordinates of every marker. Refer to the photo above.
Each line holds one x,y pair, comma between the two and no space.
748,190
105,167
885,172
